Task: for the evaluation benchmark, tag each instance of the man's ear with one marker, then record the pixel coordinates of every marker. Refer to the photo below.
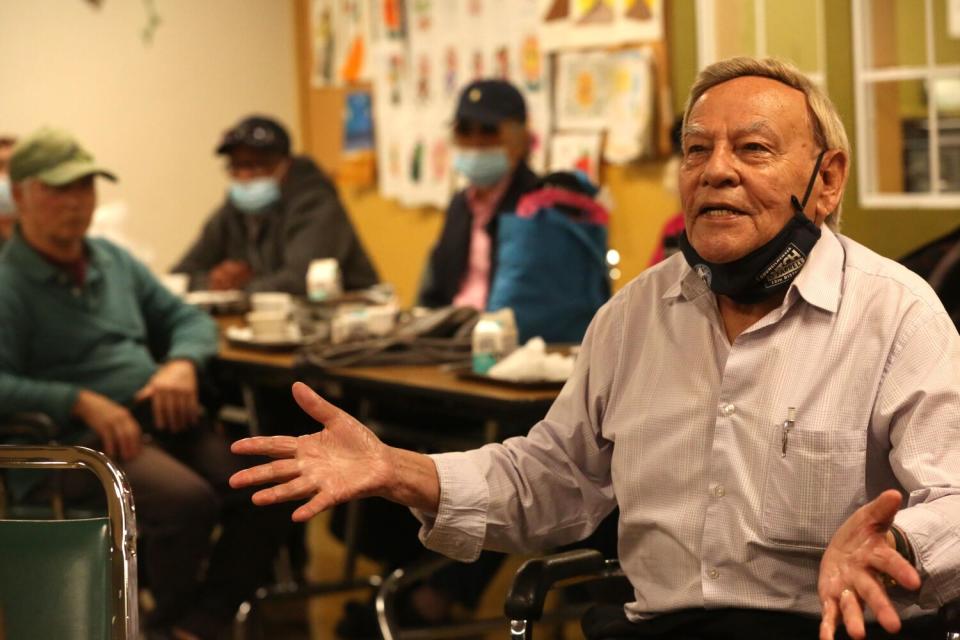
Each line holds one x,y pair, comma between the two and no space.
833,178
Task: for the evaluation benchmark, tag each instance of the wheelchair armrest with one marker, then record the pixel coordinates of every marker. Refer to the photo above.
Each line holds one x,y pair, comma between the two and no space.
537,576
950,615
36,427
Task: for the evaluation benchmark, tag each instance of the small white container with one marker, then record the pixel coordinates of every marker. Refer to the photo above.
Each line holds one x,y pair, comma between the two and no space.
494,338
323,279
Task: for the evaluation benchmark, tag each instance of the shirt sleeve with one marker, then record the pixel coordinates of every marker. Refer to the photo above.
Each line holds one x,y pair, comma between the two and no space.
18,392
185,331
549,488
204,254
920,397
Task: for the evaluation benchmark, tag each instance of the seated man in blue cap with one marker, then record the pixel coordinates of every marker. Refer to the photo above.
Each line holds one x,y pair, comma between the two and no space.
492,145
83,323
281,212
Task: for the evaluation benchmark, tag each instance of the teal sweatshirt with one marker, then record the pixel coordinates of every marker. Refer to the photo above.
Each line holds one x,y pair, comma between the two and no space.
57,338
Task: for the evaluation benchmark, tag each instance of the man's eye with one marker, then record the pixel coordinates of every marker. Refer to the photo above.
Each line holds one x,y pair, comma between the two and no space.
695,148
754,147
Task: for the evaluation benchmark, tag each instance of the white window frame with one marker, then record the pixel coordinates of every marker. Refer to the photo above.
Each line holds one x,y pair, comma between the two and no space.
866,159
707,42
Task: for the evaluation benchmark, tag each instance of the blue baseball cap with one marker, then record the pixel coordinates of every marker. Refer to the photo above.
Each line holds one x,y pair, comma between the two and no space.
490,102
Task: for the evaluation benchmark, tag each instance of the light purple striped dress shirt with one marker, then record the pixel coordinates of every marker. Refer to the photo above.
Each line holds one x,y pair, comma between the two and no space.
684,431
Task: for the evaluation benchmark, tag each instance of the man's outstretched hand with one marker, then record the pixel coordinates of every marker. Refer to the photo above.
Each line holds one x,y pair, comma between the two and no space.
859,554
342,462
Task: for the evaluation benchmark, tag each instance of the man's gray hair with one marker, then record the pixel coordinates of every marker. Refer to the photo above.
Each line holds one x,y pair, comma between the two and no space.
828,131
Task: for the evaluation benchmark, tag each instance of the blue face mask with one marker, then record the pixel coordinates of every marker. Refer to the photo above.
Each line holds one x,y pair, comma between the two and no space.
482,167
7,206
254,196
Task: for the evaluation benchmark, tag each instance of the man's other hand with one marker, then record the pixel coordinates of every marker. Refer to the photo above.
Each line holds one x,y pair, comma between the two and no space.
172,392
860,553
230,274
118,430
342,462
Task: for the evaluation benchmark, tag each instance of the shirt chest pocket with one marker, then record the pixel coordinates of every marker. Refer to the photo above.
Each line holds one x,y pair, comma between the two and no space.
815,487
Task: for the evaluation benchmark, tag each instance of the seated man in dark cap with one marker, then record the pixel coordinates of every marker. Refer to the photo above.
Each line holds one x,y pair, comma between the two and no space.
492,146
281,212
79,318
7,209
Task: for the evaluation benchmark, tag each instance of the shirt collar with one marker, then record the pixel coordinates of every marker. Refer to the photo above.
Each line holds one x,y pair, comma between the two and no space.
818,282
28,261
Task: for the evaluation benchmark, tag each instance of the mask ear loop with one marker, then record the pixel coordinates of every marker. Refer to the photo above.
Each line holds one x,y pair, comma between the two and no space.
800,206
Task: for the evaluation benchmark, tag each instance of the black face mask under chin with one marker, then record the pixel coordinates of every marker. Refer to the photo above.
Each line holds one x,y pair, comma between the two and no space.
767,270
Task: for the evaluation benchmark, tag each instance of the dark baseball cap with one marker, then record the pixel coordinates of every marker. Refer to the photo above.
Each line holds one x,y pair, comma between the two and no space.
257,132
490,102
53,157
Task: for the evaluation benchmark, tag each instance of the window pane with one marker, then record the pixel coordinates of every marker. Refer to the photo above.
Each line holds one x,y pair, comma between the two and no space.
792,32
947,95
898,118
896,29
947,48
734,28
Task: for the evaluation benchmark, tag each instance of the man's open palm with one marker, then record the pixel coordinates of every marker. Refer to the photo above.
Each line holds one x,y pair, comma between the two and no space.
342,462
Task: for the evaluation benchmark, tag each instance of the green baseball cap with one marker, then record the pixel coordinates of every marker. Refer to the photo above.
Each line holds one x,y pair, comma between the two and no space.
53,157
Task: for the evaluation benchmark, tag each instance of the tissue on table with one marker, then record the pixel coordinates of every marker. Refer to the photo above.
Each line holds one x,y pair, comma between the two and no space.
532,363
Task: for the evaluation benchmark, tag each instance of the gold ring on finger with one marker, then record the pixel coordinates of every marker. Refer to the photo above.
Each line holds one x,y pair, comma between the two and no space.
845,592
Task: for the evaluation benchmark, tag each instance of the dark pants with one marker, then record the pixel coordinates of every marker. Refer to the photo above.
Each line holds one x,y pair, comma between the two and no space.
608,622
180,490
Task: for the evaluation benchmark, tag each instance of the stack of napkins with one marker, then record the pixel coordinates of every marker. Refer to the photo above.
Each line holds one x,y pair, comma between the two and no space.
532,363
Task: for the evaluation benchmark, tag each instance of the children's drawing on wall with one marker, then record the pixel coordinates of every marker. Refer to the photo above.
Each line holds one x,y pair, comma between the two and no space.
583,90
576,152
392,19
599,23
342,30
357,122
594,12
323,42
630,107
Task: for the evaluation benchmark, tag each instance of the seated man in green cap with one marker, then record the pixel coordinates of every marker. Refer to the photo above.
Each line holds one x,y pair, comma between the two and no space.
79,316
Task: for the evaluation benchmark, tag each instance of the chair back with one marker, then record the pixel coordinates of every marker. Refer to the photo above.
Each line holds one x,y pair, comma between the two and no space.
70,578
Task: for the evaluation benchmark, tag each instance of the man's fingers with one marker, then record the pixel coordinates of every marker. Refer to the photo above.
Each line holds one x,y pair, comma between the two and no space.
271,446
875,597
278,471
315,406
107,440
316,504
884,507
888,561
295,489
144,393
852,614
828,622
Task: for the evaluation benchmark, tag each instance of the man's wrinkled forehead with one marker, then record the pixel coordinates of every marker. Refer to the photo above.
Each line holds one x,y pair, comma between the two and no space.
750,105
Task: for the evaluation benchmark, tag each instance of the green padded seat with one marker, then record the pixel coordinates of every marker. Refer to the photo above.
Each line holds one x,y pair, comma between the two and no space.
55,579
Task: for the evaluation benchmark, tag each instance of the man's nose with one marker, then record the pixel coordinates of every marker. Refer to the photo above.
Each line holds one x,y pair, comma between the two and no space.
721,168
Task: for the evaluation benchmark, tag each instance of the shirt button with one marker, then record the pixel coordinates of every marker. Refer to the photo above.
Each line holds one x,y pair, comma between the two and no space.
719,491
714,574
727,409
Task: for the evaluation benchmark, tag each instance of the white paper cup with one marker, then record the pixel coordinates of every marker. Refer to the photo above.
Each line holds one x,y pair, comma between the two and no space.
269,325
271,301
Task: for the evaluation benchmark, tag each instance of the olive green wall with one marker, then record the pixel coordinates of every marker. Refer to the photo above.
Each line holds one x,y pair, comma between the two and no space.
891,232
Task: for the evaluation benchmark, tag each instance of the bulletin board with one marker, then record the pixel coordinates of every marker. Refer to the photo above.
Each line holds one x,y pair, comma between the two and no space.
594,74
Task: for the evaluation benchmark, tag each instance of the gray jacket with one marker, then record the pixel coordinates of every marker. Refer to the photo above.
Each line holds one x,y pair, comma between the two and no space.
308,222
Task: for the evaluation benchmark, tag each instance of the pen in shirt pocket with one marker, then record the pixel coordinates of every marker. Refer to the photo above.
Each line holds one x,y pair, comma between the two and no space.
786,428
